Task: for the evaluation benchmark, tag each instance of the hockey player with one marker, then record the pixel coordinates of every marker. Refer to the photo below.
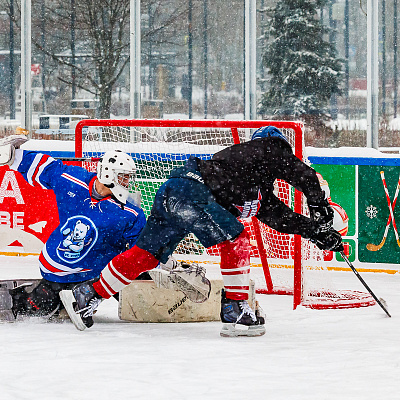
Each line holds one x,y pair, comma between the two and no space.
205,197
96,221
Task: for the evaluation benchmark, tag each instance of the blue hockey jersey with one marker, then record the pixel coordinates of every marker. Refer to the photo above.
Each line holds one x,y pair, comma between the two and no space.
91,233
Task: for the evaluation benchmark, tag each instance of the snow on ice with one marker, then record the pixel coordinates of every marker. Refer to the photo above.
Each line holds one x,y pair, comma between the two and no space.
305,354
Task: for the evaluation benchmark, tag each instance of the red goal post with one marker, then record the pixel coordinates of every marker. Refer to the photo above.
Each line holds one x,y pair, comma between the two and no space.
158,146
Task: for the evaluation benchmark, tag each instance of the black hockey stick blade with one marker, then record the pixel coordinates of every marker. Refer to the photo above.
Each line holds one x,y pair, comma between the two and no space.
364,283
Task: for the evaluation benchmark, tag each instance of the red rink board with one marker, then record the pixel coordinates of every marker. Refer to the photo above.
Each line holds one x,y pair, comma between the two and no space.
22,206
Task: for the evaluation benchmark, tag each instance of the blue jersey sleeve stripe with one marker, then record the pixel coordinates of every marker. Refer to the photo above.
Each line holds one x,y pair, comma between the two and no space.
75,180
33,168
18,158
41,169
131,210
40,162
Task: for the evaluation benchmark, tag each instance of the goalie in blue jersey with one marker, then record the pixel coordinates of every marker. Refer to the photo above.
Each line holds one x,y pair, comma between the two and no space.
97,222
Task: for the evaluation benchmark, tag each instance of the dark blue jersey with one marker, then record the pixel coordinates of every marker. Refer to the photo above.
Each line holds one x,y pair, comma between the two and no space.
90,232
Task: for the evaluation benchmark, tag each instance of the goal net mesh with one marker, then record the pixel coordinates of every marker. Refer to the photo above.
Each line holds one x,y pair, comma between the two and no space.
157,150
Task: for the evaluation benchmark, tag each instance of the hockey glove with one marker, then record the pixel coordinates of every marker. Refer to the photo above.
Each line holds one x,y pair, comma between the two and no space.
322,214
8,146
327,240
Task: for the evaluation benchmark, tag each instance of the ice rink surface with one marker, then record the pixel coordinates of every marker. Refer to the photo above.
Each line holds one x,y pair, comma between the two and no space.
305,354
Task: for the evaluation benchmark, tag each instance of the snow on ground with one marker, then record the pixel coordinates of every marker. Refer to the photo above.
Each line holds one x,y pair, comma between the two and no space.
305,354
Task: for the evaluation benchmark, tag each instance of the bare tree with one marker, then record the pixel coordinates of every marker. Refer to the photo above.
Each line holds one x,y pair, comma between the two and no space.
99,52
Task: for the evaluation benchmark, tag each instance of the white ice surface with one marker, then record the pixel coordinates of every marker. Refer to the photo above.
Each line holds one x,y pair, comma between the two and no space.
305,354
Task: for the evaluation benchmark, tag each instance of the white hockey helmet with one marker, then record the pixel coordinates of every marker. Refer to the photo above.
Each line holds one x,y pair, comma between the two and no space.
117,170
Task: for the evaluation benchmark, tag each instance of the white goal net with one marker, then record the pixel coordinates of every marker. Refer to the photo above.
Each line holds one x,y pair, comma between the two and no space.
289,265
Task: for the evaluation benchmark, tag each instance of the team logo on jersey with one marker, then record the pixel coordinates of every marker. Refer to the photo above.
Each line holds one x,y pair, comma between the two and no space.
79,234
251,207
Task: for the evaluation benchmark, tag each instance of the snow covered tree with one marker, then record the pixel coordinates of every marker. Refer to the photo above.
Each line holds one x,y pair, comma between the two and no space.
303,67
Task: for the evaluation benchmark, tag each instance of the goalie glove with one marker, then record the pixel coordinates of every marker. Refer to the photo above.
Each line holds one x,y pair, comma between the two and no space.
8,146
187,278
322,214
327,240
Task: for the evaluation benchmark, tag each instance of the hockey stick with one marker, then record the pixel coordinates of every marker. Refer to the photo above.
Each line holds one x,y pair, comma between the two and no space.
380,301
376,247
390,207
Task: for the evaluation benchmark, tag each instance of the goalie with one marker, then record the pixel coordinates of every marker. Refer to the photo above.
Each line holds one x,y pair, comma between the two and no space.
97,222
205,197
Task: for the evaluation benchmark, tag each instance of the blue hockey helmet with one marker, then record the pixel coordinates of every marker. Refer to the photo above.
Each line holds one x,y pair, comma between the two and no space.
268,131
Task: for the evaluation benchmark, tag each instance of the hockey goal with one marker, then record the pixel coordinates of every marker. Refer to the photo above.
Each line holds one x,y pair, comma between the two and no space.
290,265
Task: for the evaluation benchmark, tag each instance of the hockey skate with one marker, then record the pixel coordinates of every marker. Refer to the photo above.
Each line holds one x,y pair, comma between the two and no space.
190,279
239,319
80,304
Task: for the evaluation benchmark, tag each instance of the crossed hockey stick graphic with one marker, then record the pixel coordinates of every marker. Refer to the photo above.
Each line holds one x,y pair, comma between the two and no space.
376,247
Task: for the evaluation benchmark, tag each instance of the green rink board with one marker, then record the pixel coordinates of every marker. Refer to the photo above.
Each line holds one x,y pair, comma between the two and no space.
374,214
372,209
341,180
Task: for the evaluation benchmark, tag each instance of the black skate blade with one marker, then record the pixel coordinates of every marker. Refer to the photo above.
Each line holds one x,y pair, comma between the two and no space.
68,300
236,330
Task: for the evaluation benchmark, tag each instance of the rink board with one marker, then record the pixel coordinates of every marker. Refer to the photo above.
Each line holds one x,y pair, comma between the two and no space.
355,184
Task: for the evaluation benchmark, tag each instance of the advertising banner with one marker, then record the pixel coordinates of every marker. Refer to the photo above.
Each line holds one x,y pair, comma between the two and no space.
367,191
377,195
27,214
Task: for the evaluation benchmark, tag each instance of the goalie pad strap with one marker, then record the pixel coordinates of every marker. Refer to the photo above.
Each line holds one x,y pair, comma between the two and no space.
123,269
